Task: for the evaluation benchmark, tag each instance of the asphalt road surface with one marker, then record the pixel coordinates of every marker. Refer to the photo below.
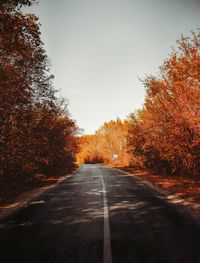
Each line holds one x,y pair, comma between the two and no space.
100,214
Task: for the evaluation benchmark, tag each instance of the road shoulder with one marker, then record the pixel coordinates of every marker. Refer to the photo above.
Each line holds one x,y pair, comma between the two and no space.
180,191
25,197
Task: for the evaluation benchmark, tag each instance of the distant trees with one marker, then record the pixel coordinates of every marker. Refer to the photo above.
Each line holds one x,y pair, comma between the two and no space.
37,133
166,132
108,145
89,149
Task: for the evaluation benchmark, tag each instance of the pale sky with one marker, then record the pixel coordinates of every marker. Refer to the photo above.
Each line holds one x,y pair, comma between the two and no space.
101,48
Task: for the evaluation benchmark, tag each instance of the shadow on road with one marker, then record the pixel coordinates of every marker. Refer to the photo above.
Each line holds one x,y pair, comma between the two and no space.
66,224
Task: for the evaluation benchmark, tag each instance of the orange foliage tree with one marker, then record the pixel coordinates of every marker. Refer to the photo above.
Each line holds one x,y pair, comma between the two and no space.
166,132
107,145
37,133
89,149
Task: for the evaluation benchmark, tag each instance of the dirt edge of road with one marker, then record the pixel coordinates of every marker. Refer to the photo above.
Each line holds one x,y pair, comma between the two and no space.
192,205
25,197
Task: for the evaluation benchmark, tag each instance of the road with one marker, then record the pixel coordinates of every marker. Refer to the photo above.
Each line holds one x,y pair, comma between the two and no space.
100,214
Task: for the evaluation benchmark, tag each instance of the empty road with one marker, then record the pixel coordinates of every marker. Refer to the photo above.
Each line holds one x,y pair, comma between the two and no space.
98,215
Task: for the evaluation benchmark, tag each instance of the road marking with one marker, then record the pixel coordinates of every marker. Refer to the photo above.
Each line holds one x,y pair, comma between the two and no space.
107,253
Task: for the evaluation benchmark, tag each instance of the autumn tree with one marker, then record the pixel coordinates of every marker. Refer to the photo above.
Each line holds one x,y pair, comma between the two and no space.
32,118
113,141
166,133
108,141
89,149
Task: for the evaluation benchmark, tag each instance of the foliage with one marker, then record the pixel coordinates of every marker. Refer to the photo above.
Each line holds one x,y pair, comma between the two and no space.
37,133
109,140
166,132
89,151
12,4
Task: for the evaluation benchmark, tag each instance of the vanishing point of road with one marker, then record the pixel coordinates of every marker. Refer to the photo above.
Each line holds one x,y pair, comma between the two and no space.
100,214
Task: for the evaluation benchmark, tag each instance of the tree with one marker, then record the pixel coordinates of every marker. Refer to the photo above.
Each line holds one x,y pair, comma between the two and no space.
33,119
170,120
109,140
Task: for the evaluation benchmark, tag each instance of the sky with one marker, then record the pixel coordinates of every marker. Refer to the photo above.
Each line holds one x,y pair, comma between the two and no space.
101,49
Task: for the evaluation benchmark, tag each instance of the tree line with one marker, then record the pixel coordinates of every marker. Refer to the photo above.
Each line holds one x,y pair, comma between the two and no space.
164,135
37,132
107,145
